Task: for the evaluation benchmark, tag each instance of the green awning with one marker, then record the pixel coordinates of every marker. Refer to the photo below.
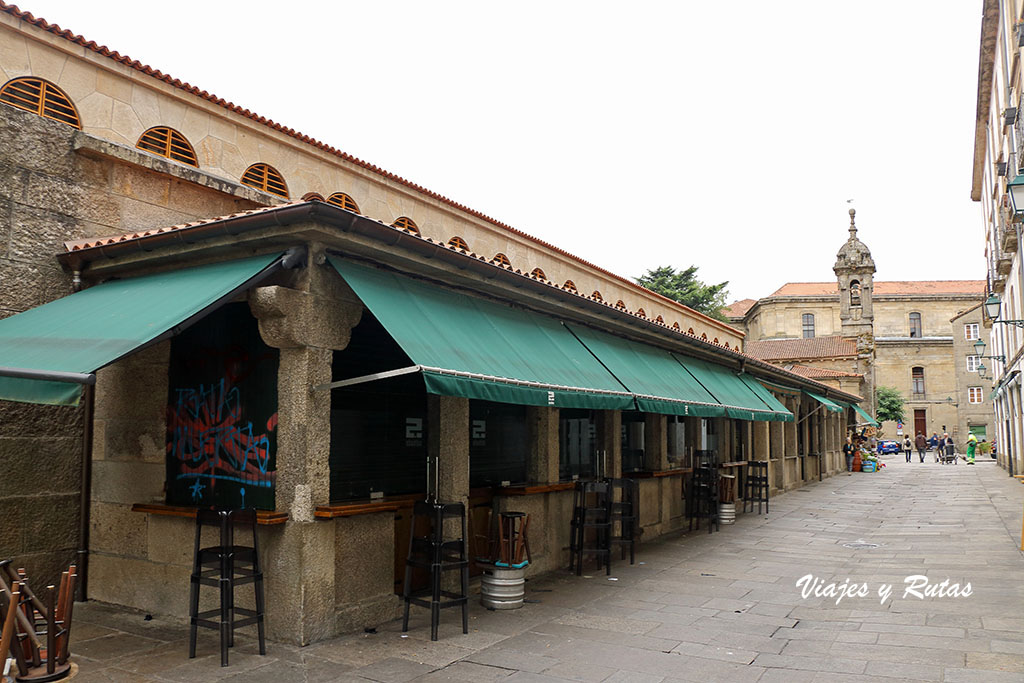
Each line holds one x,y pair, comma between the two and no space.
659,383
863,414
71,338
830,405
730,391
768,397
476,348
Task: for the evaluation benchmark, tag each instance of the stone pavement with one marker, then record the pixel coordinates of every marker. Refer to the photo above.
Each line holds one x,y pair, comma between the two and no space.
707,608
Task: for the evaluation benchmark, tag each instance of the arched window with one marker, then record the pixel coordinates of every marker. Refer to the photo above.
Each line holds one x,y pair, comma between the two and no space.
501,260
539,274
915,325
404,223
342,200
716,340
569,285
42,98
917,380
808,323
704,336
855,293
266,178
311,196
458,243
675,326
596,296
641,312
690,331
169,143
620,304
659,319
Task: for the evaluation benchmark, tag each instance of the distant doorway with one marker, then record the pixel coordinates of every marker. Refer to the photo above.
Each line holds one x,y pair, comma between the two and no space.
920,423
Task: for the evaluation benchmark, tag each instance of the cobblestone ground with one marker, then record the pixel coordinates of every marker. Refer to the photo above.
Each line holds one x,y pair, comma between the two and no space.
719,607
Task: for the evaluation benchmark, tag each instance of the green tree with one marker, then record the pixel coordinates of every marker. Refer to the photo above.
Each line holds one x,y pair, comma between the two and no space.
889,404
684,287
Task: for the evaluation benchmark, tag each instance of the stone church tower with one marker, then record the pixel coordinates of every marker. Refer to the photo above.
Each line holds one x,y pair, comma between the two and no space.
855,271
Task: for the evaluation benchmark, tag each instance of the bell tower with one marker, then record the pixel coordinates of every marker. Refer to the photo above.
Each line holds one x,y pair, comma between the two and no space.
855,272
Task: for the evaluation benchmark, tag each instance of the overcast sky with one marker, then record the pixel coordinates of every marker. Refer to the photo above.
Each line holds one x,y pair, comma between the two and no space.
727,135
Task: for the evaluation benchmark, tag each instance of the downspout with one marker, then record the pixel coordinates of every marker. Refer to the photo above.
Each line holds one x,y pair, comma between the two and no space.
85,497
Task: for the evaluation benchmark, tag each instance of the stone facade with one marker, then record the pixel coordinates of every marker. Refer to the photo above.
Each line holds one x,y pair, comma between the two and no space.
998,160
887,348
973,393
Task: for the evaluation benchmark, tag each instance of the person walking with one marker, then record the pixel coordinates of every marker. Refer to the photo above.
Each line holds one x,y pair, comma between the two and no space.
907,447
848,451
922,445
947,442
933,443
972,446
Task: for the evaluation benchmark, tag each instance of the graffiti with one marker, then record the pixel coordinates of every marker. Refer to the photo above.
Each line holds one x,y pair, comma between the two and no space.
210,440
222,415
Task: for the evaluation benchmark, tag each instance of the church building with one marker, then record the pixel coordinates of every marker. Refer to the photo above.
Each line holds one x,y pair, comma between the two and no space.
857,333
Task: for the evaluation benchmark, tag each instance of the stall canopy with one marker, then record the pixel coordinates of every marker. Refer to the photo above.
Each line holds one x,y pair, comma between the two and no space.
660,384
481,349
867,418
829,405
476,348
769,399
739,399
48,352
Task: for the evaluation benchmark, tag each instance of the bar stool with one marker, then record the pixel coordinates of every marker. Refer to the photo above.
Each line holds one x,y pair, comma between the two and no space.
512,540
705,490
225,566
624,515
590,512
757,486
437,554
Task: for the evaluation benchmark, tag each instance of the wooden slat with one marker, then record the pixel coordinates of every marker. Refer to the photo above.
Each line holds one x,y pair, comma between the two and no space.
263,517
529,490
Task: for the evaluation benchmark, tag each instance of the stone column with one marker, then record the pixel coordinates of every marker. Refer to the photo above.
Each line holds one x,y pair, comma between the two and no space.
761,437
448,446
723,428
655,442
609,440
542,432
307,323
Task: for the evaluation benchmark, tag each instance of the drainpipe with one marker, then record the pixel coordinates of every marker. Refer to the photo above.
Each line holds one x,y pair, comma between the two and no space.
85,497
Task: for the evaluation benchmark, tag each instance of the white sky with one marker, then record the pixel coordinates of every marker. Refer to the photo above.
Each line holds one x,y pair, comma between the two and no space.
727,135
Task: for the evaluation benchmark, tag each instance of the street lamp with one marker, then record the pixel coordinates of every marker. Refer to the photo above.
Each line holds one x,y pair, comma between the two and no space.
979,349
981,370
993,303
1016,188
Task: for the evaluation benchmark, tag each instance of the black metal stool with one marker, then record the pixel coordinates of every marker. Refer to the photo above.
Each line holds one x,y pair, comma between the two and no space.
225,566
590,512
624,515
435,553
704,501
757,486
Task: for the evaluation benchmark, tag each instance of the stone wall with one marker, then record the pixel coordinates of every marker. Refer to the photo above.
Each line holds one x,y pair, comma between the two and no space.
976,414
50,191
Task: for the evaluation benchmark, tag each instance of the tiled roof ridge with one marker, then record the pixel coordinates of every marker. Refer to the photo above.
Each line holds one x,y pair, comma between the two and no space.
55,29
830,346
824,372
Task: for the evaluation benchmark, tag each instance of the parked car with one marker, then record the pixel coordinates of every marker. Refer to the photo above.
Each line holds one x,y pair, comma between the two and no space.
887,446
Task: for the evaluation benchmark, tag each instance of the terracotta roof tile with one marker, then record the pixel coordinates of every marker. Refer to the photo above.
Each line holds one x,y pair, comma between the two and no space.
738,309
820,373
883,287
801,349
230,106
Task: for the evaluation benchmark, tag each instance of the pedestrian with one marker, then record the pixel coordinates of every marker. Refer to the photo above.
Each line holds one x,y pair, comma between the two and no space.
933,443
907,446
972,446
947,441
922,444
848,451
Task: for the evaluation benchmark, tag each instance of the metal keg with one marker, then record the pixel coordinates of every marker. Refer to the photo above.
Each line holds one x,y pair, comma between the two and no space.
503,588
727,513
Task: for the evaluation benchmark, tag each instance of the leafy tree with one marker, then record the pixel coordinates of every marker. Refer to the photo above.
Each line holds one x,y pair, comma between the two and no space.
889,404
684,287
